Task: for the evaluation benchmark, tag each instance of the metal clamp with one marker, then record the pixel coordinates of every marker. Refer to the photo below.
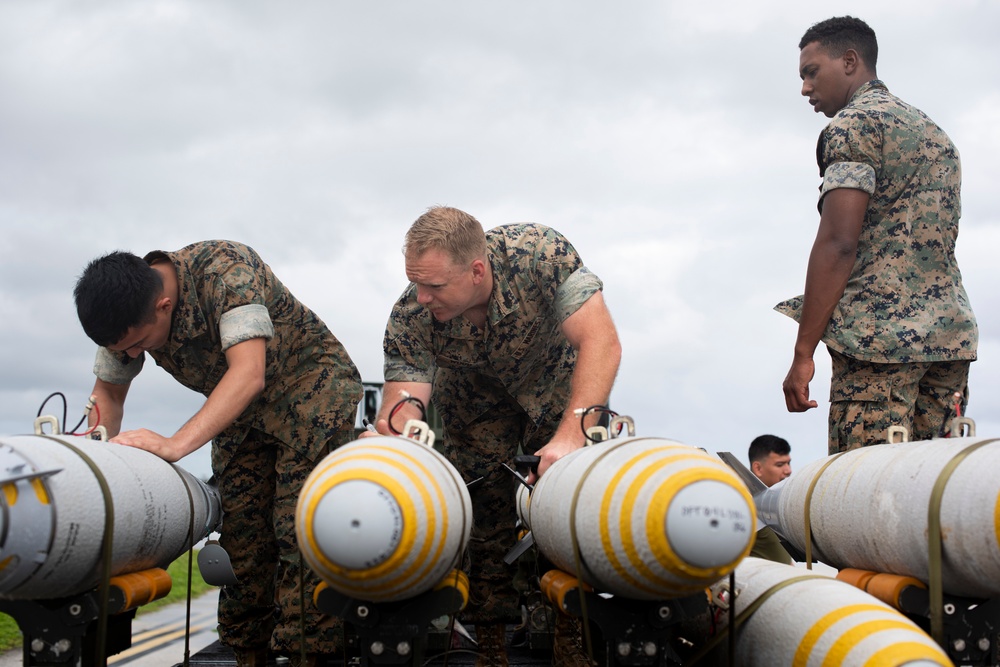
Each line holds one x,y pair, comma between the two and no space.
956,427
42,420
622,420
893,431
419,431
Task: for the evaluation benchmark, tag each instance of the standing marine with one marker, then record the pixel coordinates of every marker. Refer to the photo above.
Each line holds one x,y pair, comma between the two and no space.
883,289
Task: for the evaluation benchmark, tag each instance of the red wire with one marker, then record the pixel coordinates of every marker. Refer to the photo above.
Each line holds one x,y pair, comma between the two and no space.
96,423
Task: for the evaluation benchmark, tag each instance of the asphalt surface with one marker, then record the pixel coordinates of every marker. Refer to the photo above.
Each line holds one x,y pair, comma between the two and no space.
158,637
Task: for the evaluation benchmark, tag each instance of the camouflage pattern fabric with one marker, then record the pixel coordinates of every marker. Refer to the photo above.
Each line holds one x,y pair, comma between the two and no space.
311,393
904,301
499,388
538,281
478,451
260,488
867,398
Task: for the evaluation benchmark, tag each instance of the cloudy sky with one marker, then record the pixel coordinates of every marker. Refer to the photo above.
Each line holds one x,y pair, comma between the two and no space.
667,140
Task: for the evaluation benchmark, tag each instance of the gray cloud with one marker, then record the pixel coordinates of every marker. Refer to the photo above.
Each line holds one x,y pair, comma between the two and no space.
667,140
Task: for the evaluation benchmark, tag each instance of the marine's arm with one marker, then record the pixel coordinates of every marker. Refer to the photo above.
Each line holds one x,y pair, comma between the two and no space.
592,333
110,402
242,382
392,394
830,264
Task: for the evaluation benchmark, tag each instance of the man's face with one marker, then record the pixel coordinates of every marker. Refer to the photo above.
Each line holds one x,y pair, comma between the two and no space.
824,80
773,469
443,287
149,336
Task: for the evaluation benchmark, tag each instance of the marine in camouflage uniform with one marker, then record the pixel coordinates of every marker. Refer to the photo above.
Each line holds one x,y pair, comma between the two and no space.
497,388
903,334
227,294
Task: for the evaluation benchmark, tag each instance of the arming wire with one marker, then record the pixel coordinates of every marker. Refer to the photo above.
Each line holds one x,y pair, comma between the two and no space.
97,422
950,413
47,398
604,410
91,405
407,398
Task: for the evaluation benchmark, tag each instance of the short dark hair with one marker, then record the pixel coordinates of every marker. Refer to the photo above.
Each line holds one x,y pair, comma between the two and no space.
115,293
841,33
763,445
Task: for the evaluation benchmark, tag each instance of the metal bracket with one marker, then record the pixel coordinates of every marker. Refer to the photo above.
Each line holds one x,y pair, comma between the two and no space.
622,420
42,420
893,431
419,431
956,427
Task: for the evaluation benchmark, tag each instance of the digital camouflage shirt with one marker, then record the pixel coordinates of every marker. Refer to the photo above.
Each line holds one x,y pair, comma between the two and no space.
904,301
538,281
229,295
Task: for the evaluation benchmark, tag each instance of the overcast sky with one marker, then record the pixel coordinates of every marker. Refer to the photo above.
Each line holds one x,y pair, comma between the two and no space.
667,140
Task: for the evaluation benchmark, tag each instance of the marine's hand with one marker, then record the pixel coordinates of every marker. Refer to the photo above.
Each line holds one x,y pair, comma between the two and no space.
380,427
796,385
152,442
552,452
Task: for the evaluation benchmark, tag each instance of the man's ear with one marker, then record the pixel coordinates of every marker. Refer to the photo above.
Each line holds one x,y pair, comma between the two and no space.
479,270
851,61
165,304
757,467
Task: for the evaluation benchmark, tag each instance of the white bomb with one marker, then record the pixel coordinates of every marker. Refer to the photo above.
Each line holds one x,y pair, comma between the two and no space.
58,494
818,620
383,519
644,518
869,510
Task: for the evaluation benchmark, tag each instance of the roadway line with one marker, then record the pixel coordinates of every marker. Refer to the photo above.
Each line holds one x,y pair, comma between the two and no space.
142,636
146,642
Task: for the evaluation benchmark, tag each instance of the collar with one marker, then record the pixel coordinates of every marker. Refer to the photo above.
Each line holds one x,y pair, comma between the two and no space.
503,301
188,321
868,87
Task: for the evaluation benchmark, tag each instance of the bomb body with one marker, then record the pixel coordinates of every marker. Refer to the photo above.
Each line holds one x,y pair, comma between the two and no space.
869,509
814,619
59,492
644,518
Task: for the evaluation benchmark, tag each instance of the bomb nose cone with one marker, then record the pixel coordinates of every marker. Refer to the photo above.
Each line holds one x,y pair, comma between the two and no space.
357,524
707,524
383,519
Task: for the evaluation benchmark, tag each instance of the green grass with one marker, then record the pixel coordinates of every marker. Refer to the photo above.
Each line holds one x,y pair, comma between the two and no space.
10,635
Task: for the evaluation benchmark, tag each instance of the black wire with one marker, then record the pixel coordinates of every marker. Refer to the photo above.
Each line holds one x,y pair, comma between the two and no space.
603,409
78,425
65,407
409,399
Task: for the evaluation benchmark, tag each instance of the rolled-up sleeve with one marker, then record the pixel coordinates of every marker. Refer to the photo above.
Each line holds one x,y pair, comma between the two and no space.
111,367
244,323
854,175
407,352
575,291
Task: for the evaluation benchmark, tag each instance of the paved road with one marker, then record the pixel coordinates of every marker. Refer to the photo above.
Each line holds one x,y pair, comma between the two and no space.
158,637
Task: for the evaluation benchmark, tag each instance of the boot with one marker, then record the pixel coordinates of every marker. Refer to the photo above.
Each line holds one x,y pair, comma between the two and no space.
491,640
567,644
251,657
